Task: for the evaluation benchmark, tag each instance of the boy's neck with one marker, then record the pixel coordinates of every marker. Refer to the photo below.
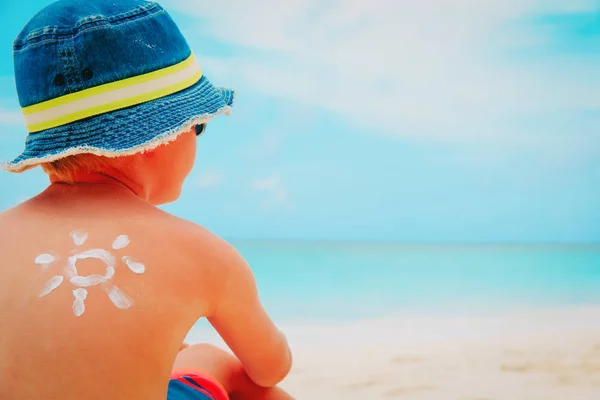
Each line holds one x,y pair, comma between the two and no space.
113,177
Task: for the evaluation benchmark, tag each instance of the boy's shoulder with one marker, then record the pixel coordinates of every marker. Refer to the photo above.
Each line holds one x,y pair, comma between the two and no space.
195,239
211,257
215,271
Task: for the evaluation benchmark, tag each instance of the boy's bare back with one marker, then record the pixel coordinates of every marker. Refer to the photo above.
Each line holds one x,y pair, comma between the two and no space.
99,287
112,326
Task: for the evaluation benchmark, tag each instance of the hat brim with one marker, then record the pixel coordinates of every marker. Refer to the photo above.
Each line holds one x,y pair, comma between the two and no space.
127,131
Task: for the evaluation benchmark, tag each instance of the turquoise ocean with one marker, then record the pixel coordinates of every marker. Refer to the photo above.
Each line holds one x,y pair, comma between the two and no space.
328,282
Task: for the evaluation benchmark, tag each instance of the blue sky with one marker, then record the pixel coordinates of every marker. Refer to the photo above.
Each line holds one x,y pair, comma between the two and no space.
418,120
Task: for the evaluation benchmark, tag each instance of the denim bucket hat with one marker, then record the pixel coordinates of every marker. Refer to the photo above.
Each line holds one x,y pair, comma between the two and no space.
110,78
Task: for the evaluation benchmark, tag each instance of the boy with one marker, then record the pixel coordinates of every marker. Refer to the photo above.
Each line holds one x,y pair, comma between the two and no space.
99,287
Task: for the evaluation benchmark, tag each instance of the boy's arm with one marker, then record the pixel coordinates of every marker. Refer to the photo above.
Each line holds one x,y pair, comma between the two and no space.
240,319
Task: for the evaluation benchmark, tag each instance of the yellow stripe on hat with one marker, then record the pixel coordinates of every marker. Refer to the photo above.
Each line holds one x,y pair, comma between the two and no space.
112,96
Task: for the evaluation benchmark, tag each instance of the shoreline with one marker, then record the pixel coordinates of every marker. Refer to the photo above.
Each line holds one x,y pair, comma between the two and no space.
521,319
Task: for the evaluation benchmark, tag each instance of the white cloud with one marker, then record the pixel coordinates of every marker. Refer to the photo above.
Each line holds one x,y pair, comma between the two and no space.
209,179
428,68
277,195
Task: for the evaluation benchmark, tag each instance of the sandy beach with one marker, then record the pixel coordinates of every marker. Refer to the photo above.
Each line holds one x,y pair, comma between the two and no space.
525,355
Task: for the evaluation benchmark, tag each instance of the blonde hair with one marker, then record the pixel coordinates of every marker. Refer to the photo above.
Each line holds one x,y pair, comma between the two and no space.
66,168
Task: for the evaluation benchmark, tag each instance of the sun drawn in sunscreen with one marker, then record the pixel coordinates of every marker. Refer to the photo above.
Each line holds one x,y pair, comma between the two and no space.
116,295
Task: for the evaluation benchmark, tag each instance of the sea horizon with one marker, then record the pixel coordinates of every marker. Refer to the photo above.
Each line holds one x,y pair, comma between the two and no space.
332,281
312,240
